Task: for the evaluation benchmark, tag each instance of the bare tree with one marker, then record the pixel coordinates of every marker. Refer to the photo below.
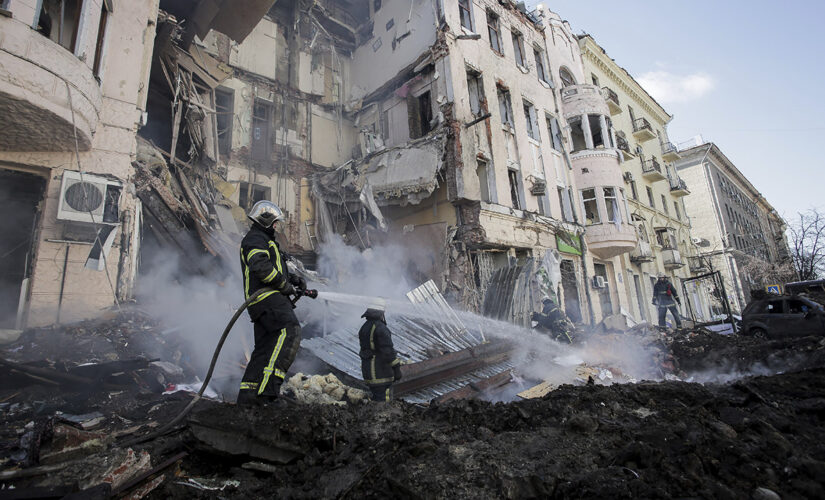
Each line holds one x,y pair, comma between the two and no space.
808,245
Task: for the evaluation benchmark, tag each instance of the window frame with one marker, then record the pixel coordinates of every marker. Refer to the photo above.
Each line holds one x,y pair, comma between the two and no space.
494,27
541,66
595,200
505,107
531,121
518,48
465,6
564,81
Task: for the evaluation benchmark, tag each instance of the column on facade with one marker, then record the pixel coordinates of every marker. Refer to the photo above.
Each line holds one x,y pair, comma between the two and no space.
605,131
588,135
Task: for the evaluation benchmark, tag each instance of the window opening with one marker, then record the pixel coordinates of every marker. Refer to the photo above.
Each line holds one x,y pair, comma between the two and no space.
540,71
532,123
518,49
466,17
567,79
591,208
249,194
59,21
611,203
476,89
481,171
224,105
505,107
650,197
494,31
515,199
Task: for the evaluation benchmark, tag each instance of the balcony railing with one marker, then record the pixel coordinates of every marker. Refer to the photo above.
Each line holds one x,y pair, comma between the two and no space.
643,130
669,152
678,187
672,258
698,265
642,253
612,99
623,146
652,169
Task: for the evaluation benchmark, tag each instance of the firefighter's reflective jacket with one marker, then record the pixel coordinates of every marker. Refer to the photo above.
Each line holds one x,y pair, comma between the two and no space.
377,353
263,265
664,294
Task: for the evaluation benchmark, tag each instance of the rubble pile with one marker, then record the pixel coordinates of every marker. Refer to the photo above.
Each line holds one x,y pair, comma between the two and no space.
672,438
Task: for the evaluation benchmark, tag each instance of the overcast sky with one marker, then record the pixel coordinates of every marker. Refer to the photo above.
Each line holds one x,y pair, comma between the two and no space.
745,74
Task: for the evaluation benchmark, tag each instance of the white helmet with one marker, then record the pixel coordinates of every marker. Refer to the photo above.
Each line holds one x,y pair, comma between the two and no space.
265,213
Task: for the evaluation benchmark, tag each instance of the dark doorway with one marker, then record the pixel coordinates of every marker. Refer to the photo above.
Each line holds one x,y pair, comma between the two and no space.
20,194
261,135
571,291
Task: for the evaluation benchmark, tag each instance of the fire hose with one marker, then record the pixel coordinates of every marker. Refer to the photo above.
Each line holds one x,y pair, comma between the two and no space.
301,292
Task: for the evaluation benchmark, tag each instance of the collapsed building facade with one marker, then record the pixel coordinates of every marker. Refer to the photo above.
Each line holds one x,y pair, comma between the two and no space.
745,235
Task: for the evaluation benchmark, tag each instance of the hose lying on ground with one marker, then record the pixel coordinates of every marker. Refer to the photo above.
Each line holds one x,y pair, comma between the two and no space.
163,430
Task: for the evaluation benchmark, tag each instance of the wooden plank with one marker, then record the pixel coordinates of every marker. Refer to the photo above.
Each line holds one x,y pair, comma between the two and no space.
537,391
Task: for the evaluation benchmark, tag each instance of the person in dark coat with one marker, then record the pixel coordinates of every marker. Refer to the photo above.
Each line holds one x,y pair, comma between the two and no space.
380,365
552,319
277,331
665,298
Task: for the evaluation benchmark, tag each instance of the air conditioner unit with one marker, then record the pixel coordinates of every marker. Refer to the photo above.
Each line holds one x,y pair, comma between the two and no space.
89,198
599,282
628,176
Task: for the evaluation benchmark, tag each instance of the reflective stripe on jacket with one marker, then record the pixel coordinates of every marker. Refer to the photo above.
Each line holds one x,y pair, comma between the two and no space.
263,265
377,352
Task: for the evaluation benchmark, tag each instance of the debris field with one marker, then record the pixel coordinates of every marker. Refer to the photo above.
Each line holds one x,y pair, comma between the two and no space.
759,436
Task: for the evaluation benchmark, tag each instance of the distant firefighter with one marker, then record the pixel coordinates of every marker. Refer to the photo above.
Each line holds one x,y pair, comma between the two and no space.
666,298
380,365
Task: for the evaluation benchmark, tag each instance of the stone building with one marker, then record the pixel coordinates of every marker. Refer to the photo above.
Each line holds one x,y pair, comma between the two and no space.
651,231
743,234
74,85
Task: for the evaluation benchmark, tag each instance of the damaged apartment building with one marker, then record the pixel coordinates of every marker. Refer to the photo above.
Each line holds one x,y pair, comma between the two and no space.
433,125
74,87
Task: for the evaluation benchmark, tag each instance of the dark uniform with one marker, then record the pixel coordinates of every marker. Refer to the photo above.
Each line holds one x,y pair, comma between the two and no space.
379,364
666,298
555,321
277,331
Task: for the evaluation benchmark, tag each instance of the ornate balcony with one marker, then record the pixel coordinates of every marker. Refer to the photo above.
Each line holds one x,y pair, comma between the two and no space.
642,253
623,146
577,100
652,170
643,130
612,99
34,103
609,240
669,152
672,258
678,187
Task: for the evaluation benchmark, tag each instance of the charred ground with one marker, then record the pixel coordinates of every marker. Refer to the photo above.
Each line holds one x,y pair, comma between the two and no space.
650,439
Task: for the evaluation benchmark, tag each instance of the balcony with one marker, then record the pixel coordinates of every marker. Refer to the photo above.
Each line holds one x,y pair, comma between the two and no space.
652,170
623,146
698,265
609,240
612,99
34,103
642,253
669,152
672,258
642,130
578,100
678,187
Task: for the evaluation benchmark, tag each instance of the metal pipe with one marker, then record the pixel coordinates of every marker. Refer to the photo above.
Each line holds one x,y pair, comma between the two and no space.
62,284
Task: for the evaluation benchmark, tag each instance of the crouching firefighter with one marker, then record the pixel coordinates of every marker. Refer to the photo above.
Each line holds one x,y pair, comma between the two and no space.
380,365
553,320
277,331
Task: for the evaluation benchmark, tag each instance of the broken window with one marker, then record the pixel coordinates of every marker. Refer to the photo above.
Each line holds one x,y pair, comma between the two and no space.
494,31
540,71
249,194
591,208
97,64
515,190
633,190
666,238
611,203
664,205
466,17
594,79
532,122
420,113
577,134
59,21
518,49
483,180
544,204
476,88
224,106
505,107
596,130
566,77
650,197
564,203
554,131
261,130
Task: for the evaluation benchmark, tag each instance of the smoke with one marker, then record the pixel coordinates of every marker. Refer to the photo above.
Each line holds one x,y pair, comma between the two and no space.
194,310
